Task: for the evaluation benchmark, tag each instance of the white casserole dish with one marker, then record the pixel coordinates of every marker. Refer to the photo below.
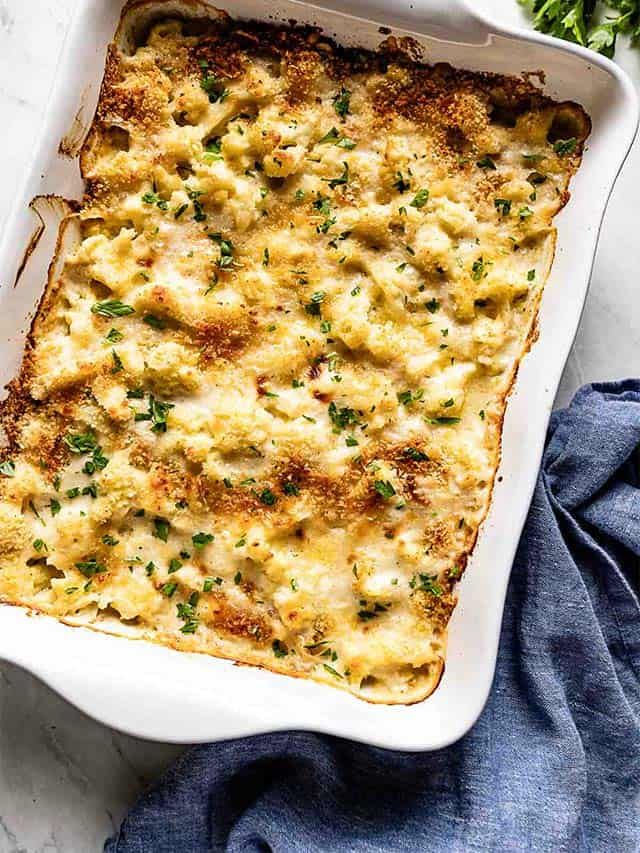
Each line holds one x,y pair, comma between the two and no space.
155,692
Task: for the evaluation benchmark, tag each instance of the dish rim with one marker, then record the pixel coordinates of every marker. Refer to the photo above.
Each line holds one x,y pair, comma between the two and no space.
56,677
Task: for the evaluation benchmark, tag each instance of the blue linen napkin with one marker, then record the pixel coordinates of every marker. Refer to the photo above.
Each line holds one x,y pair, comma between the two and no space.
553,764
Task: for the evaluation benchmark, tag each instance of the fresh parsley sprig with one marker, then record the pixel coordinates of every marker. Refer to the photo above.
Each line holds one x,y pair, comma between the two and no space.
587,22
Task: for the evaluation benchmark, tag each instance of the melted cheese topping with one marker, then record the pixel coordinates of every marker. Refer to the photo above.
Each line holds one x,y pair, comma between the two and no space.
260,412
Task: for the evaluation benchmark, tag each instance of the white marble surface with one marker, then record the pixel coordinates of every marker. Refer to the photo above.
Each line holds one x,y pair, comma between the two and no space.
65,781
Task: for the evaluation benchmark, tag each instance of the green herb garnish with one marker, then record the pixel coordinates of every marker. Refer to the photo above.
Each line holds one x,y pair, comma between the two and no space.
111,308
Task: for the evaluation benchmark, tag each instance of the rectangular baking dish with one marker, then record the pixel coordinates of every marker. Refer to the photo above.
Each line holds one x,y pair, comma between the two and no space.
158,693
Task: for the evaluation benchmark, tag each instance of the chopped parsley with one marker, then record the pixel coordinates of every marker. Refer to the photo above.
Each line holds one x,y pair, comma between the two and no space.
267,497
342,102
414,454
91,567
321,204
225,261
401,183
426,583
384,488
503,205
81,442
279,649
7,468
332,671
565,146
174,565
201,539
154,198
198,211
335,138
161,529
114,336
408,397
420,199
117,362
313,307
98,462
343,179
432,305
214,88
154,322
531,274
486,162
478,269
213,149
366,615
444,421
169,588
111,308
342,417
156,413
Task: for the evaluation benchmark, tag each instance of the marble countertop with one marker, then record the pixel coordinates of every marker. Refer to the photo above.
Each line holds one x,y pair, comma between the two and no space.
65,780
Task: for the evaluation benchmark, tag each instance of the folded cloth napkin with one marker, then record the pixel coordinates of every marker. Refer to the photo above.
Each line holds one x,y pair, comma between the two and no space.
553,764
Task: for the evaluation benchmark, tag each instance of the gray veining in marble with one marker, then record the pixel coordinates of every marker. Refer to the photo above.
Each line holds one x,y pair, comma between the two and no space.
65,780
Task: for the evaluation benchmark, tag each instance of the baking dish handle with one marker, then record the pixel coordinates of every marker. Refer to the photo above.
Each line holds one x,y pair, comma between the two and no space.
452,20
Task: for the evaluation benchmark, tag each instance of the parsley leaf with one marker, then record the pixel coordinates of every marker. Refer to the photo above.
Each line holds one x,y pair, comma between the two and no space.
201,539
279,649
420,199
111,308
342,417
267,497
486,162
81,442
342,102
90,567
384,488
427,583
161,529
7,468
401,184
343,179
214,88
565,146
